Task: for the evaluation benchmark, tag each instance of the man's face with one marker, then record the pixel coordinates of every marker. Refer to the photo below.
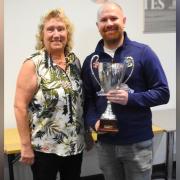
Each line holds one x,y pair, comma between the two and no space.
55,35
111,23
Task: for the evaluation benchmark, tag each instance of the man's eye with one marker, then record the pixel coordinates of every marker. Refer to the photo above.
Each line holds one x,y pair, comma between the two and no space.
114,18
103,20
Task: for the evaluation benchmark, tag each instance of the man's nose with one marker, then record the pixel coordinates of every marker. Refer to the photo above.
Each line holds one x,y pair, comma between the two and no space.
109,22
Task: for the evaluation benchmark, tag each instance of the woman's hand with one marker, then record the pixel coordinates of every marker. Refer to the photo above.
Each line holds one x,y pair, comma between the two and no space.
27,154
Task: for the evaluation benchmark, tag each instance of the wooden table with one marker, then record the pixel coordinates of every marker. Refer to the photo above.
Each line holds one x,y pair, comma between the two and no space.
156,130
12,146
11,141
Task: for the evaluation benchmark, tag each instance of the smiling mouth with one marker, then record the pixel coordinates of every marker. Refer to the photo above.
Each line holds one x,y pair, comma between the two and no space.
56,41
110,31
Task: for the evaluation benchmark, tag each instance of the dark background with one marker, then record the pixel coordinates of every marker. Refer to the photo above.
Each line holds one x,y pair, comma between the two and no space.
1,88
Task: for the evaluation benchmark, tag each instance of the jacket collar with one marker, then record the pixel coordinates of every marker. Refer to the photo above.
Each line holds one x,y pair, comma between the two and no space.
100,45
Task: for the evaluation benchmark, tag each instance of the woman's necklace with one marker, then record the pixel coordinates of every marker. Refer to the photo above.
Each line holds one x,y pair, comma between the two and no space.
62,64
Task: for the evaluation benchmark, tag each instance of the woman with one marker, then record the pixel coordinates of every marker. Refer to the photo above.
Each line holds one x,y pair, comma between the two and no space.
49,103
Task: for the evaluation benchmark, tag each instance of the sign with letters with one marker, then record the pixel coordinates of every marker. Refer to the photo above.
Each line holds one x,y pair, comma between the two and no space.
159,16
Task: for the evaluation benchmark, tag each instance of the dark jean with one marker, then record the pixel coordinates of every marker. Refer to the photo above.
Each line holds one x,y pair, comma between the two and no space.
46,166
126,162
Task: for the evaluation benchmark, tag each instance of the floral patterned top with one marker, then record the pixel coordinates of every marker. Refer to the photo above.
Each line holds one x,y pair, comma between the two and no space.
56,110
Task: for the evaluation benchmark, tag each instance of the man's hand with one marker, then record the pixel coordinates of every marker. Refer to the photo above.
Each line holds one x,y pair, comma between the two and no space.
27,155
118,96
97,125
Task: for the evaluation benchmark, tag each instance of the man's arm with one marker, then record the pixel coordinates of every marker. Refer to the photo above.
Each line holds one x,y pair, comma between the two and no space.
157,91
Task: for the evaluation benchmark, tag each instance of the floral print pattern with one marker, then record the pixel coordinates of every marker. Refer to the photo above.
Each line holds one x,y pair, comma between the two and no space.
56,110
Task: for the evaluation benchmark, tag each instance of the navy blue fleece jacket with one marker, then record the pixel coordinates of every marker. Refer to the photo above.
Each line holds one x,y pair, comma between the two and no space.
149,85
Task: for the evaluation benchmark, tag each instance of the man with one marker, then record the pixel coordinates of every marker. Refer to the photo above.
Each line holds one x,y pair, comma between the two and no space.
127,154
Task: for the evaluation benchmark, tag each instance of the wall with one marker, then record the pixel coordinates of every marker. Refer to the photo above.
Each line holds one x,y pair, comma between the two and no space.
21,21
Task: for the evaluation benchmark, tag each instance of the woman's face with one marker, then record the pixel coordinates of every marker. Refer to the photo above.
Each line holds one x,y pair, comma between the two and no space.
55,35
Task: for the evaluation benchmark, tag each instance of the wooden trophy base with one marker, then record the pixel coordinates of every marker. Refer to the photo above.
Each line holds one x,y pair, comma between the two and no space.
108,126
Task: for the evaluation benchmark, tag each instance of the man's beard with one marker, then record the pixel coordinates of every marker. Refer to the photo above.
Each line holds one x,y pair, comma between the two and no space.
113,39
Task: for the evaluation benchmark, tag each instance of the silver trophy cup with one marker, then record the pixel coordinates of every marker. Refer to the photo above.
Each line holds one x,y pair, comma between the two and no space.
111,76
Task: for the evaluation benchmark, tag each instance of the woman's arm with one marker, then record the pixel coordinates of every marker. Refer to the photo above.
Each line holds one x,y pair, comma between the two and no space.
25,88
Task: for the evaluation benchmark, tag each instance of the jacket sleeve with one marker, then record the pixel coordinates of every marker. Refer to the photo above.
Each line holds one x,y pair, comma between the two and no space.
90,114
157,92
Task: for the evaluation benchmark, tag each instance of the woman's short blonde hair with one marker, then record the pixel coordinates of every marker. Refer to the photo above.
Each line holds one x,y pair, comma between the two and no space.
55,13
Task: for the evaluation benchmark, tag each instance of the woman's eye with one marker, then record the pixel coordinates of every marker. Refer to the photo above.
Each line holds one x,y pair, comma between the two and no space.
59,29
50,29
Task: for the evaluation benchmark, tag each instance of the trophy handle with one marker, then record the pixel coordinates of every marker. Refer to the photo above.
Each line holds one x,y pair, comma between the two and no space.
129,61
96,58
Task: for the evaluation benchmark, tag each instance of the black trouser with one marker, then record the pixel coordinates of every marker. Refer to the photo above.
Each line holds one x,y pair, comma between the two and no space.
46,166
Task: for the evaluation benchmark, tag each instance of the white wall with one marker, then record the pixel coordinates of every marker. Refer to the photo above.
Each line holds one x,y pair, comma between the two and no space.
21,21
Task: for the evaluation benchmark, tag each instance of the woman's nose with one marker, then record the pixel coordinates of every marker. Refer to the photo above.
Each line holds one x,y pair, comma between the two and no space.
56,32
